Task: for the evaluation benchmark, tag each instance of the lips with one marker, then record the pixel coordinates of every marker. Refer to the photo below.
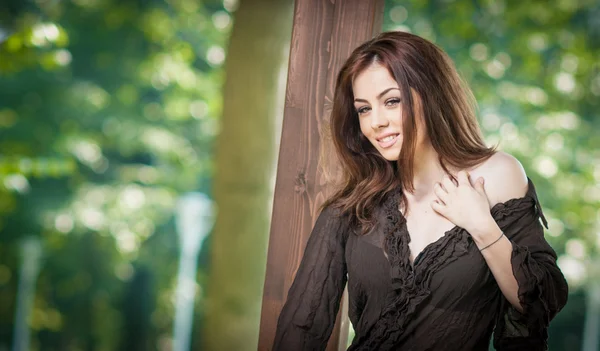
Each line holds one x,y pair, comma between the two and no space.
387,140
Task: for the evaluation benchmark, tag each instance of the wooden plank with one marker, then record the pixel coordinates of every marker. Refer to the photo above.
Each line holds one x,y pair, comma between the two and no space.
323,36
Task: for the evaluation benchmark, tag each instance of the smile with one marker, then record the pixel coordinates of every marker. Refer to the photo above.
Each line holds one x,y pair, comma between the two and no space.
388,141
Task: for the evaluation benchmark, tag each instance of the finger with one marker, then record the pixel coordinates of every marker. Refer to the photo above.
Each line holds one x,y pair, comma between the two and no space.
448,183
438,207
440,192
463,178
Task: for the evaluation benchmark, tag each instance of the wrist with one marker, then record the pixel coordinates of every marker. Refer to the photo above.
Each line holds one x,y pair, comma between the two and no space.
485,231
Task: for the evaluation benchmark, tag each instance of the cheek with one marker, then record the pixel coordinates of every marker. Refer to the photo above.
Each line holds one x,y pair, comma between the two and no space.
396,116
364,127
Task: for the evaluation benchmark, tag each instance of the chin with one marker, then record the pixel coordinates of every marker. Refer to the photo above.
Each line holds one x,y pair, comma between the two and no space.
391,155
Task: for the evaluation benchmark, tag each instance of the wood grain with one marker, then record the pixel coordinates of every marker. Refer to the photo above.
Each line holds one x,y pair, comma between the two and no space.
323,36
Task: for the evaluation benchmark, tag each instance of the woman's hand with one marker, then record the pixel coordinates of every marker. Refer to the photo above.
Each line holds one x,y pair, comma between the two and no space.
464,204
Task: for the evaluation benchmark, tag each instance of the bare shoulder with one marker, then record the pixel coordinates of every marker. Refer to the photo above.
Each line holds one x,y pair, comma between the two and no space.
504,177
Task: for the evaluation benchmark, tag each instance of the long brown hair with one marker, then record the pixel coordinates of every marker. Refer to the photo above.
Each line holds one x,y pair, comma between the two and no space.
448,109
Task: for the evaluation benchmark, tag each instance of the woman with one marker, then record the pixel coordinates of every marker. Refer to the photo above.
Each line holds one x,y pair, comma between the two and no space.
437,235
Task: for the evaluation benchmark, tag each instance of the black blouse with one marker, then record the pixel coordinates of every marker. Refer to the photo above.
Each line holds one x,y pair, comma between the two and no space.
447,300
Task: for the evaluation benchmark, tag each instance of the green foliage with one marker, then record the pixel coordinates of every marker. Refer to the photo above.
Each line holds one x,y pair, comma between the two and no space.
108,111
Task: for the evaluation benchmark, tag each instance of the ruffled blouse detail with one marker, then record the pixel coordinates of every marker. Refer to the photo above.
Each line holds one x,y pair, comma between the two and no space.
401,317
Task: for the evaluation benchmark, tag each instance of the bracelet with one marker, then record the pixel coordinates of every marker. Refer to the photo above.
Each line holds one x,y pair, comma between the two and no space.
495,241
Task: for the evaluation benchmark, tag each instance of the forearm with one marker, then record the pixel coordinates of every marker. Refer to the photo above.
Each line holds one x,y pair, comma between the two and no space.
497,255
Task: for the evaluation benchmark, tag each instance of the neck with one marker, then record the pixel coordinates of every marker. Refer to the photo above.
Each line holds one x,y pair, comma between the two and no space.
427,170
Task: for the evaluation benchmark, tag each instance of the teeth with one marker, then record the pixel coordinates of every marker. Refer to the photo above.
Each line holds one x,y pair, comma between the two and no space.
388,138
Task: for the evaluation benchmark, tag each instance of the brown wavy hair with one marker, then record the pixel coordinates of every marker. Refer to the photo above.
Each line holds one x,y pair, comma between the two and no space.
447,105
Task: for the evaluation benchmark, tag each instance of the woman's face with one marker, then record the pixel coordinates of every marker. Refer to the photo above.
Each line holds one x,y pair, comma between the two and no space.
377,101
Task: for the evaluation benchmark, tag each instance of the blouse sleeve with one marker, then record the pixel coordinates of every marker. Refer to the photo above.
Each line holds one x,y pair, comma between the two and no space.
309,313
542,287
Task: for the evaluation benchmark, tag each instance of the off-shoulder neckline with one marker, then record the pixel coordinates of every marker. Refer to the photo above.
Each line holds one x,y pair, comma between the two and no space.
529,195
495,210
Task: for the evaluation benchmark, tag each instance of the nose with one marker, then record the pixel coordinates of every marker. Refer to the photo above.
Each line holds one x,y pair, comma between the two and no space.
378,120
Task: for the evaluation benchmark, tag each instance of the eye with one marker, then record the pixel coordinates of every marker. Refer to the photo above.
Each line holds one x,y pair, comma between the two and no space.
392,102
363,110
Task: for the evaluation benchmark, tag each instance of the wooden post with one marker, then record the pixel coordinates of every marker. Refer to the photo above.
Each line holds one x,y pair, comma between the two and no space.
324,34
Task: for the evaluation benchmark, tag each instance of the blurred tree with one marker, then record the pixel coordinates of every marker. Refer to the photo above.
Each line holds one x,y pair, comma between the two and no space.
137,310
108,110
245,166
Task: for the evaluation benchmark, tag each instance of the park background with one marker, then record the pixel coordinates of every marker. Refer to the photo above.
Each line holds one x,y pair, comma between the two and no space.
112,111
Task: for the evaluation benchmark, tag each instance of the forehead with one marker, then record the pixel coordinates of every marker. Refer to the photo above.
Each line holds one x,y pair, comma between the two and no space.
372,80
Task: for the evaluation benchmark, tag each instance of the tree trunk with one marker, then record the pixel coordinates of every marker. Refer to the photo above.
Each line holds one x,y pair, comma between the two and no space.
323,36
245,168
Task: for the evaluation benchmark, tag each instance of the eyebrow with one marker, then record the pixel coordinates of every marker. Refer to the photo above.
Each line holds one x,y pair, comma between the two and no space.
378,96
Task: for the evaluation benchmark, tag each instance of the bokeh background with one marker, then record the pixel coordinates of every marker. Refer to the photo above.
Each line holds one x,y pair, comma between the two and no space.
111,111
